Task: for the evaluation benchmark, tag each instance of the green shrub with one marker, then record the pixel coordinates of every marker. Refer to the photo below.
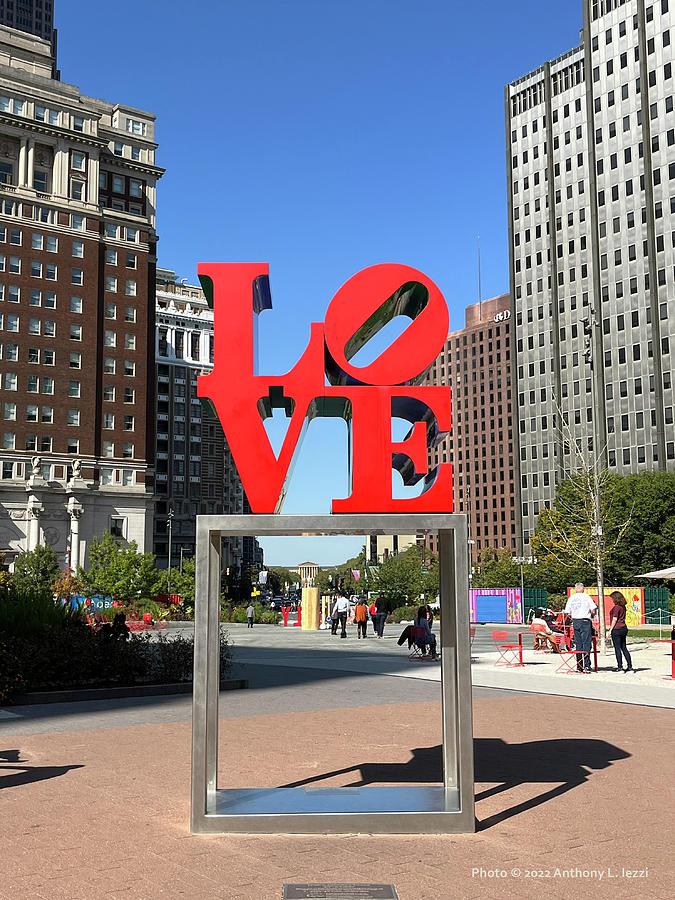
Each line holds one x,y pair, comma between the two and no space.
78,657
402,613
263,616
23,614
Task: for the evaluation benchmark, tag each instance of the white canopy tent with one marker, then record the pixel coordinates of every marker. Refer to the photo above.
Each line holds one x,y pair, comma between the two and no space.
662,573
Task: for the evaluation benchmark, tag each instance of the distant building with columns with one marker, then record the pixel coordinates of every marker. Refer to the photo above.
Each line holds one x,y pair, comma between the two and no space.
77,305
308,572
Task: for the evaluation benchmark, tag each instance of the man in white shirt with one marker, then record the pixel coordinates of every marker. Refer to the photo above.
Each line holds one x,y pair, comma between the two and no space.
340,612
581,607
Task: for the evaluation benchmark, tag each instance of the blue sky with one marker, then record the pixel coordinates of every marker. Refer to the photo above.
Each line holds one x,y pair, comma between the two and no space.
322,137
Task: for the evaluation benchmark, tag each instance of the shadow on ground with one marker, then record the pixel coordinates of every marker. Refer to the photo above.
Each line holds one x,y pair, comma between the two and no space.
565,763
15,774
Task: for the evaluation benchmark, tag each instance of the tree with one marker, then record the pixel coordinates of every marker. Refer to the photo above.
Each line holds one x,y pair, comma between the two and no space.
35,571
183,582
496,569
647,502
66,586
121,573
401,578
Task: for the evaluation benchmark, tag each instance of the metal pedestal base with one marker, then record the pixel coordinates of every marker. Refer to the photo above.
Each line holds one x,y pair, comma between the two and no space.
447,808
376,810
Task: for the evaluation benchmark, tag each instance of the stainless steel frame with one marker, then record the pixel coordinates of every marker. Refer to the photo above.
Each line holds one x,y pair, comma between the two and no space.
410,809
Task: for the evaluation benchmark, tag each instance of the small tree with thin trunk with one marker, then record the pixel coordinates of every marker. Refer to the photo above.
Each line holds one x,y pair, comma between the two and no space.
574,531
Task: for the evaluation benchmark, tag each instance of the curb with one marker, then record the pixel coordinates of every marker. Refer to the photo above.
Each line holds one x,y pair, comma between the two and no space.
115,693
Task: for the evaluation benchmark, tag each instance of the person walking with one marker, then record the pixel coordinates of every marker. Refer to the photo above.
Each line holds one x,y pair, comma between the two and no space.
373,613
361,618
581,607
619,632
382,610
250,615
341,611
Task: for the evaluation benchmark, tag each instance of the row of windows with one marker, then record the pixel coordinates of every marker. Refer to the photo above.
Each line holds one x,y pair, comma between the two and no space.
41,113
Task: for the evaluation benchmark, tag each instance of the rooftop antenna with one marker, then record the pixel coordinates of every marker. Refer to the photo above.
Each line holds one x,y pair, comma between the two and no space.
480,287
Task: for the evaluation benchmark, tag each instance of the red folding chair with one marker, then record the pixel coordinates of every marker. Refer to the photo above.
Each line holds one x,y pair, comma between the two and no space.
509,654
569,659
418,647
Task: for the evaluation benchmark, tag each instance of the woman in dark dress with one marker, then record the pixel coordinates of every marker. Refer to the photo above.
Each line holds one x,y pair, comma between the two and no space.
619,630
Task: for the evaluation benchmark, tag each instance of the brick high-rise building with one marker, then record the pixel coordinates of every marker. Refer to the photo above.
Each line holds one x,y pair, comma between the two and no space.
476,363
591,186
77,301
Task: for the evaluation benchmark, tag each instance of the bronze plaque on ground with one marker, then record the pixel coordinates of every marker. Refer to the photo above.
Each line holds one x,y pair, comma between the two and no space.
340,892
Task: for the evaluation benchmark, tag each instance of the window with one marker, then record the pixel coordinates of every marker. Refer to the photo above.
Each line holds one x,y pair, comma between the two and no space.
34,326
76,304
118,184
130,314
77,161
15,265
136,153
15,237
132,235
31,413
109,366
48,415
111,257
129,423
108,449
50,272
78,123
50,299
33,355
8,441
77,276
78,249
76,332
77,223
118,148
109,393
37,241
73,446
76,189
129,367
13,293
129,395
110,339
110,283
10,411
35,268
111,231
49,328
75,361
107,476
127,451
131,260
48,357
108,421
130,289
127,477
111,310
135,126
10,381
129,341
73,388
13,323
73,417
11,351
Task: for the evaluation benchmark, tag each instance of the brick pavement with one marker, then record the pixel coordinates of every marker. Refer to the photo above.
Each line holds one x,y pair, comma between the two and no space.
560,783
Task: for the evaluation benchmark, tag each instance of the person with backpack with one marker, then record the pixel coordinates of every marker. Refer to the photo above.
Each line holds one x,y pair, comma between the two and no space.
382,610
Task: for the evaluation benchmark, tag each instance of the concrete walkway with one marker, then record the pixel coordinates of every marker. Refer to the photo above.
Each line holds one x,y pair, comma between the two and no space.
277,646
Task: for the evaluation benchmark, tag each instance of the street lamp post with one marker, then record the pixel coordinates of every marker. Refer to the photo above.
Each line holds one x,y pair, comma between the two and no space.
589,324
169,523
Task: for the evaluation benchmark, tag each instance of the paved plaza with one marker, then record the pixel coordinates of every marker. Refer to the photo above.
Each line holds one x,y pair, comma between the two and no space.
95,795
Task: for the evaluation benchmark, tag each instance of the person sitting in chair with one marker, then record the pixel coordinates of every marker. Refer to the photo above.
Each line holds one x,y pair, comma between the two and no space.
543,636
420,621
